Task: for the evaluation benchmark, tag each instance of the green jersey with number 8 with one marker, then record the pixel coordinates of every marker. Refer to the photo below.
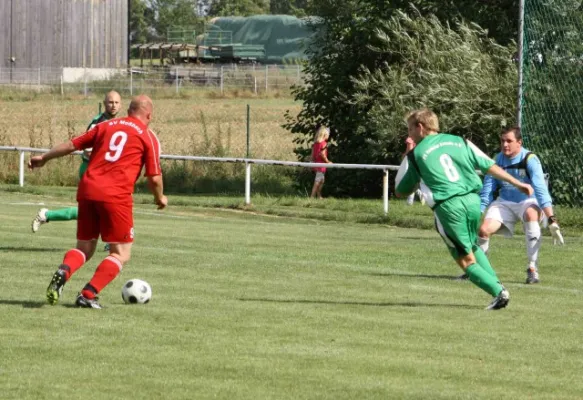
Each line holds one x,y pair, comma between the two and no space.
446,164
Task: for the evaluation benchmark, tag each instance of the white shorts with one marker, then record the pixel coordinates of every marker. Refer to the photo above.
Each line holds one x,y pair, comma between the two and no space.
509,213
319,177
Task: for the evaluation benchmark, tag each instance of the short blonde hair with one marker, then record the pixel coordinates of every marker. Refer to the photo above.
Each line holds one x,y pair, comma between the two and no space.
322,133
425,117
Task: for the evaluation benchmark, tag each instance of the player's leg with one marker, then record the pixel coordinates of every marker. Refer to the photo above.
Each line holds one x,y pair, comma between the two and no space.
117,230
321,185
411,199
87,234
45,215
315,187
532,235
318,183
62,214
457,221
498,217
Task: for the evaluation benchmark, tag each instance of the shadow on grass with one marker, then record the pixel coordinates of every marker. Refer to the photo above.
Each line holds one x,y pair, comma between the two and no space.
24,303
33,249
423,276
362,303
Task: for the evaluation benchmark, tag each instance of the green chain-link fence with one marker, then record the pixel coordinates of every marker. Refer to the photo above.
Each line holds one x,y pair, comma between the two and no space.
551,101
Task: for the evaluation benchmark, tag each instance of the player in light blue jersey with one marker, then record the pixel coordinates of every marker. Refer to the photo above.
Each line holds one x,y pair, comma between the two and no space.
512,206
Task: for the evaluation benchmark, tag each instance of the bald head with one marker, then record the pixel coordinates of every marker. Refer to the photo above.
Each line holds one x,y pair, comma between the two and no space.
141,107
112,103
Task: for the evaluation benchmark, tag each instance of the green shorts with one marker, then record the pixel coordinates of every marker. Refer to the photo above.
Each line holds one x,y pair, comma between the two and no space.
457,221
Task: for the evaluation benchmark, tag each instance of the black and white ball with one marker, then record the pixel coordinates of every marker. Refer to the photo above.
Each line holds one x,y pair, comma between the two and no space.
136,291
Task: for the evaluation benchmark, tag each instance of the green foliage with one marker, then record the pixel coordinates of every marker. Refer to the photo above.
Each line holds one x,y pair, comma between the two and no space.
290,7
553,93
173,13
498,17
141,18
240,8
372,65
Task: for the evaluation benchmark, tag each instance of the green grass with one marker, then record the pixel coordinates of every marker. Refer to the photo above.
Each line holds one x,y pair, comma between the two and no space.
253,306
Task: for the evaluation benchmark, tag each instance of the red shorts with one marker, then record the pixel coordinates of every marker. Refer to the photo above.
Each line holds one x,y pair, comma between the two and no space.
113,222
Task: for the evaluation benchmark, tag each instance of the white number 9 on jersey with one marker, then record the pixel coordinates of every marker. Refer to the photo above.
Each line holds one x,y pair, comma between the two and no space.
116,144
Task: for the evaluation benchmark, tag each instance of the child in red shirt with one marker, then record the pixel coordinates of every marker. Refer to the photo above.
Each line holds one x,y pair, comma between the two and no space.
320,155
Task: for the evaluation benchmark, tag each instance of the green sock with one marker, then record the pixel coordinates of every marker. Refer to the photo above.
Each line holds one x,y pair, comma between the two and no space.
482,259
479,277
62,214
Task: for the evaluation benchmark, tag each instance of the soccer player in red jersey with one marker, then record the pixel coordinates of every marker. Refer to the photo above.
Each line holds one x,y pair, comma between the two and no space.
121,148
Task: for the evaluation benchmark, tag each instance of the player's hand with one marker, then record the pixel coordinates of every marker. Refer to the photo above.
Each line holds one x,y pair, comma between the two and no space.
526,189
410,145
556,233
162,202
36,162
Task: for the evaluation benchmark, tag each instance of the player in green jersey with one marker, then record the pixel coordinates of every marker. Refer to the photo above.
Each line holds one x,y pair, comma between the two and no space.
447,165
112,103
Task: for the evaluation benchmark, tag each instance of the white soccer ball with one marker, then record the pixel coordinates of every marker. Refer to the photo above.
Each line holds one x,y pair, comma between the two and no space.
136,291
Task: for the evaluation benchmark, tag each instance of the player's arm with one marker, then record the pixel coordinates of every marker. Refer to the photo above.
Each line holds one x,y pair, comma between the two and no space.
324,155
59,150
156,185
487,193
153,170
537,178
543,197
406,180
488,166
499,173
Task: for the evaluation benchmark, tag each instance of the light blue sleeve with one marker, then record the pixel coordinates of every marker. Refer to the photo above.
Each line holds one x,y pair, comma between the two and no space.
487,193
537,178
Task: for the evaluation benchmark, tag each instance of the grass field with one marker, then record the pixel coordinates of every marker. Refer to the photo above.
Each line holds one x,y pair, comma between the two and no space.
195,125
250,306
183,125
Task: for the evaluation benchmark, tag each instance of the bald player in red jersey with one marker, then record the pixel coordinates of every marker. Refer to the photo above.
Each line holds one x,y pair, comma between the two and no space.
121,148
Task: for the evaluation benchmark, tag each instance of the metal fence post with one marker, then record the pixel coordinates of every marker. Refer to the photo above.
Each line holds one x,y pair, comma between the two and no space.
386,191
176,79
255,84
131,82
266,77
21,169
247,183
222,84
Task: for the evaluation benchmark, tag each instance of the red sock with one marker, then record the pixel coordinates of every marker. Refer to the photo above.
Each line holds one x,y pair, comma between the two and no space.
106,272
74,259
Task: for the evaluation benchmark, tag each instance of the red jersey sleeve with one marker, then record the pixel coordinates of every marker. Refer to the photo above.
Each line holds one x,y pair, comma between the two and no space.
152,155
87,139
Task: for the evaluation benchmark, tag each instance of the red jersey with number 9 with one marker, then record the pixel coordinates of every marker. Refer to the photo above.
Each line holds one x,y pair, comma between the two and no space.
121,147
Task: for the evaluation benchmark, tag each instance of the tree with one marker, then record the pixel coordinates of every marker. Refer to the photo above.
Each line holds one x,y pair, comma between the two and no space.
290,7
370,63
242,8
498,17
141,19
175,13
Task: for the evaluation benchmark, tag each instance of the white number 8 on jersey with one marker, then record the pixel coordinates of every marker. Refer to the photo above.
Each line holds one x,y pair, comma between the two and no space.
449,168
116,144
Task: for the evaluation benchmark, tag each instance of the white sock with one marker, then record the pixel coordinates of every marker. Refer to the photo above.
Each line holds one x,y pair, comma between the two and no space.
411,199
484,243
533,241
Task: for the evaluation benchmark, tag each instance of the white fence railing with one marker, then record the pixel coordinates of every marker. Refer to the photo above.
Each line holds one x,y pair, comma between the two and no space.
178,79
246,161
